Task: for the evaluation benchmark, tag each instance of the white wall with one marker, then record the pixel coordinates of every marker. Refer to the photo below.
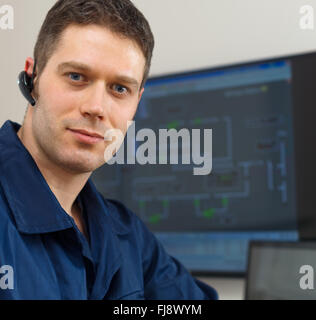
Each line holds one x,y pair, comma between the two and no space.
189,34
200,33
227,288
15,46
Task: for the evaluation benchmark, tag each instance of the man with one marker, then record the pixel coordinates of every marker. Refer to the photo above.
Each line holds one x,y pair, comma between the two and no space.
61,238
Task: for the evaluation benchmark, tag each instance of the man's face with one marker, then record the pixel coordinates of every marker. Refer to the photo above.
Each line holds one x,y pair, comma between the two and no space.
90,84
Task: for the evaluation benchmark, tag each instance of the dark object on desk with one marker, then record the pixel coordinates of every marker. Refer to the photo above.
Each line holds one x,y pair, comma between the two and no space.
281,271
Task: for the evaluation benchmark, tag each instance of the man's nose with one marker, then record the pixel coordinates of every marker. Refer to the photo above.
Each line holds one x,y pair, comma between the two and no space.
95,103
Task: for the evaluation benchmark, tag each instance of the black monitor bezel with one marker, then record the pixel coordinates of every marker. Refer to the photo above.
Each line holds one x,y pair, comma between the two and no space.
303,94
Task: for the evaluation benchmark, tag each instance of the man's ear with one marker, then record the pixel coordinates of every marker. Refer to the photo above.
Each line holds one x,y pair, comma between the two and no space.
29,65
140,94
29,69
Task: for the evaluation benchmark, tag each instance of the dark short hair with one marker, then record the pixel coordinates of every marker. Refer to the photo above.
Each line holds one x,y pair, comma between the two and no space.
119,16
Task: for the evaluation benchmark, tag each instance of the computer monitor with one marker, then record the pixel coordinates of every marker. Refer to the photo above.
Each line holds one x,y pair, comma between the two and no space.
281,271
261,114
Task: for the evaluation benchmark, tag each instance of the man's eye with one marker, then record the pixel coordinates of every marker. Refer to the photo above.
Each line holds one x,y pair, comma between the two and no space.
120,89
75,76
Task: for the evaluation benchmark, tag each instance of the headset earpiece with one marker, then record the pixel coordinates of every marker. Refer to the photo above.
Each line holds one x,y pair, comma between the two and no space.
26,85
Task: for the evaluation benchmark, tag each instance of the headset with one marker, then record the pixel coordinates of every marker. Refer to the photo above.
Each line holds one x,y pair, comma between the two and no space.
26,85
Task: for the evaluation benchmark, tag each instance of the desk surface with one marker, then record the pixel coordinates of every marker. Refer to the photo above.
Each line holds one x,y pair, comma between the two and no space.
227,288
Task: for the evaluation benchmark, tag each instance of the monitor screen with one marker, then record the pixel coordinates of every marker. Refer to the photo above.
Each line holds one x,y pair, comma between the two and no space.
251,193
281,271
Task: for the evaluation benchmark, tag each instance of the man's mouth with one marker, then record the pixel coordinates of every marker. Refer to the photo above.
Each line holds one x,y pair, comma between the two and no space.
86,136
